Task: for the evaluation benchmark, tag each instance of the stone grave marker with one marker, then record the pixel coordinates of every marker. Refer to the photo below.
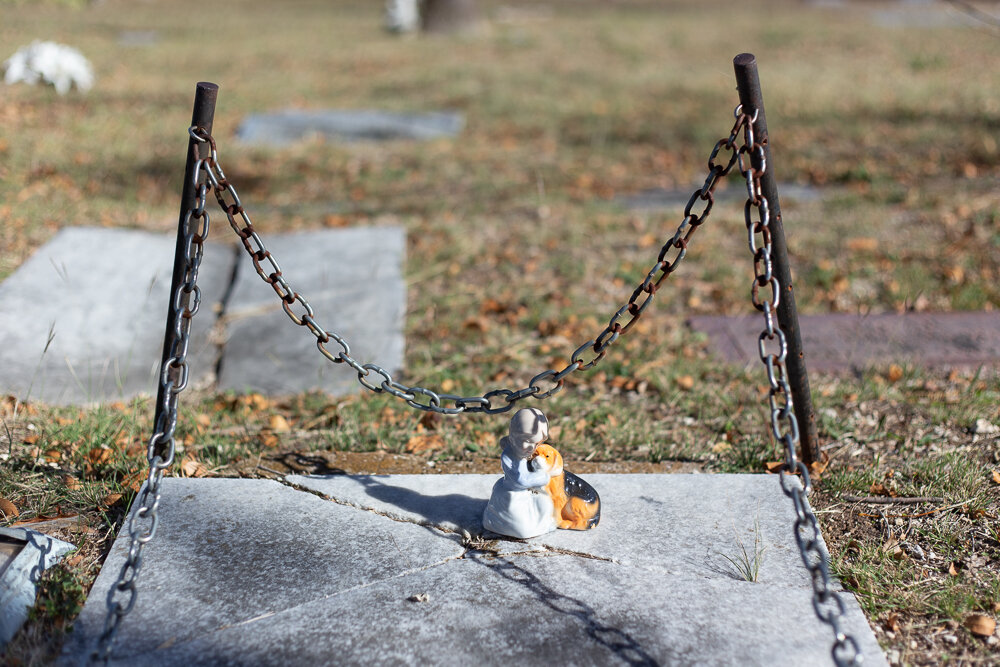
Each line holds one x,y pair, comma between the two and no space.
284,127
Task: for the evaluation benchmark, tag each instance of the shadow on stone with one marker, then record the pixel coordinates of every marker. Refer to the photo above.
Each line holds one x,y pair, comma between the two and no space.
448,510
619,642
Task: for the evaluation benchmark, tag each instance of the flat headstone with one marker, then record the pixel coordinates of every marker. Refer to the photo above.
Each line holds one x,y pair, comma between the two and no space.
84,316
353,280
284,127
841,342
24,555
656,199
253,572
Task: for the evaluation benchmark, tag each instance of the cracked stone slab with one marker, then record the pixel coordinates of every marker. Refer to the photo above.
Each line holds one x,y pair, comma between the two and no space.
847,342
84,316
229,551
687,521
557,610
353,280
285,127
252,572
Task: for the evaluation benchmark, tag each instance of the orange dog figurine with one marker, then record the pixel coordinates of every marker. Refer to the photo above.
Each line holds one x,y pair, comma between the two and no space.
576,504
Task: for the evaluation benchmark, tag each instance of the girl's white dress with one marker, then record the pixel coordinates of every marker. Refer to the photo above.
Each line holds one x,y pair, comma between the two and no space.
519,505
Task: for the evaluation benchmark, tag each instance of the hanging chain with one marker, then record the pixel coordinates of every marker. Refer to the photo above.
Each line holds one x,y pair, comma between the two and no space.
143,519
541,386
773,349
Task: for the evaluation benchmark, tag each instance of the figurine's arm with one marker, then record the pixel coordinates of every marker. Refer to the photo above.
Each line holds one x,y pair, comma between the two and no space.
520,474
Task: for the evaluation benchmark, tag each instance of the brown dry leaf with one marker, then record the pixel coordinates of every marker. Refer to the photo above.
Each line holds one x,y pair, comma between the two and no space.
53,455
111,499
74,560
99,455
203,421
71,482
952,570
268,439
981,624
279,424
685,382
892,622
895,373
134,480
774,467
424,443
31,439
996,476
862,244
190,467
8,509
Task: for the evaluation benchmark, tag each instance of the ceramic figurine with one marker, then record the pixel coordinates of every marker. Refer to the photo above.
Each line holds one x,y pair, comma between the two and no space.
535,495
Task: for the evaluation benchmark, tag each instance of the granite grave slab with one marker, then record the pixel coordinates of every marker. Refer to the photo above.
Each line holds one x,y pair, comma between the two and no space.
85,315
353,280
256,572
291,125
847,342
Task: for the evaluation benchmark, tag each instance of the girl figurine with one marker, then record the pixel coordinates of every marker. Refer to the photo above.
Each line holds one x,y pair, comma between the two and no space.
535,496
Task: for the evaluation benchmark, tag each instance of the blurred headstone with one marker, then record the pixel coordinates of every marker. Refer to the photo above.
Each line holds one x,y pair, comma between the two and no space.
285,127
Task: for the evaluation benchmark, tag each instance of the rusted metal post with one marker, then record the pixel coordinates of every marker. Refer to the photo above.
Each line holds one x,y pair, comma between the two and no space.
748,85
203,116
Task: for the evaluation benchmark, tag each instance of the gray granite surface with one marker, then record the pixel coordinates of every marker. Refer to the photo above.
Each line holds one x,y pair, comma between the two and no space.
284,127
84,317
253,572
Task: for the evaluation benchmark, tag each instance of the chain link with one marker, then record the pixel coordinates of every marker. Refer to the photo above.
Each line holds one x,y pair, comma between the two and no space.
541,386
143,518
773,350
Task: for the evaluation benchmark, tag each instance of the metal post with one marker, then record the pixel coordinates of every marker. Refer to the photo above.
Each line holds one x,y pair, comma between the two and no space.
202,116
748,85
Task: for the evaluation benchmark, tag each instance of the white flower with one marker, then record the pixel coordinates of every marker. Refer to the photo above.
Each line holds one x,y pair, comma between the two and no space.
56,64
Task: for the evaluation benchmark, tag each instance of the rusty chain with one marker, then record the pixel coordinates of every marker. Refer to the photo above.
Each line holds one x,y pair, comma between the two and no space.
541,386
773,349
143,518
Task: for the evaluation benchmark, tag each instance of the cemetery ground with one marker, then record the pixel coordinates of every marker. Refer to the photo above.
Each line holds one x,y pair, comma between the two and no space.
518,251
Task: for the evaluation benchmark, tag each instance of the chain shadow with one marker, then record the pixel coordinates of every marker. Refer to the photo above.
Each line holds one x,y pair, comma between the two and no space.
619,642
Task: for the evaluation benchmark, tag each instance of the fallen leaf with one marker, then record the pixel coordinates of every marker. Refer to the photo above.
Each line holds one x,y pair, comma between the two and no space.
862,244
952,570
279,424
74,560
895,373
774,467
190,467
8,509
134,480
99,455
111,499
981,624
996,476
71,482
892,622
424,443
685,382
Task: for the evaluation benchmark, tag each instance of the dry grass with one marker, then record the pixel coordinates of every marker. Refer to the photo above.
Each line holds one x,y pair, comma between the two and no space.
518,252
